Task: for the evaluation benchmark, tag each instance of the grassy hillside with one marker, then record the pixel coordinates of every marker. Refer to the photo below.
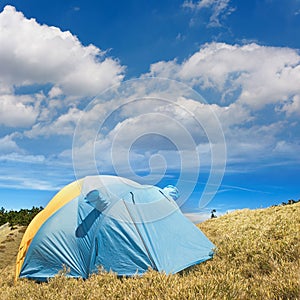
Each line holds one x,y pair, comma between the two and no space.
9,243
258,257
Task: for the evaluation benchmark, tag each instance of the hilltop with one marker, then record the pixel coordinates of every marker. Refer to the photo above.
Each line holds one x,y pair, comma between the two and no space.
257,257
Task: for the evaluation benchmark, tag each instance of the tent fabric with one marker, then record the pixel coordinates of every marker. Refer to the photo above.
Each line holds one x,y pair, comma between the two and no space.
67,194
113,223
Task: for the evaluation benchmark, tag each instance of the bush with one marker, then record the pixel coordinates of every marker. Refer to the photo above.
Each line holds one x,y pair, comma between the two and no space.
22,217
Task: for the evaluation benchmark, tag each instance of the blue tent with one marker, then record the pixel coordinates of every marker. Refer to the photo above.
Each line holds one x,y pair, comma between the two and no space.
114,223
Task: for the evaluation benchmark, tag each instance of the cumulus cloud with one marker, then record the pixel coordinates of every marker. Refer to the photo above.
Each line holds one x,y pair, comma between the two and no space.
128,137
64,125
146,128
55,92
249,78
33,56
8,144
19,110
292,107
259,75
152,133
256,88
34,53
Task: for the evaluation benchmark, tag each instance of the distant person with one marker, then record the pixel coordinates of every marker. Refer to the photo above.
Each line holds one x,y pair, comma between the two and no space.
213,214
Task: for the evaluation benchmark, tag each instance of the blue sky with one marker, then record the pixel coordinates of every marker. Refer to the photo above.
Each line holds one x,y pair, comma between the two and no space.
225,98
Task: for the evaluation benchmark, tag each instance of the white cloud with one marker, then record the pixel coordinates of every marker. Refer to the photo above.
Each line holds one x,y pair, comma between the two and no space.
247,77
165,69
219,9
5,89
19,111
55,91
264,75
287,150
33,53
258,89
22,158
292,106
26,182
198,217
256,77
8,145
131,140
64,125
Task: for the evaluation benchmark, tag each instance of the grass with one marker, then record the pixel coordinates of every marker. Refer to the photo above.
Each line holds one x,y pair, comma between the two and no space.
10,241
258,257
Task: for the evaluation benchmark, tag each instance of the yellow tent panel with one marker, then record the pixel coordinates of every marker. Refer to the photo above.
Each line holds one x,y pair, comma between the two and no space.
65,195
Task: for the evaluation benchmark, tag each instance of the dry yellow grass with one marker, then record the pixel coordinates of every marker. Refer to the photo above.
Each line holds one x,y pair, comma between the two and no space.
257,258
9,244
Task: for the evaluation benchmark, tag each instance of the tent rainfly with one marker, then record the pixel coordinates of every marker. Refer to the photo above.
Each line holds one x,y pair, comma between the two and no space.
113,223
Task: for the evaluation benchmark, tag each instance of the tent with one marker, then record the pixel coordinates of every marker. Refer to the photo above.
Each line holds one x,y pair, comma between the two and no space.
113,223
